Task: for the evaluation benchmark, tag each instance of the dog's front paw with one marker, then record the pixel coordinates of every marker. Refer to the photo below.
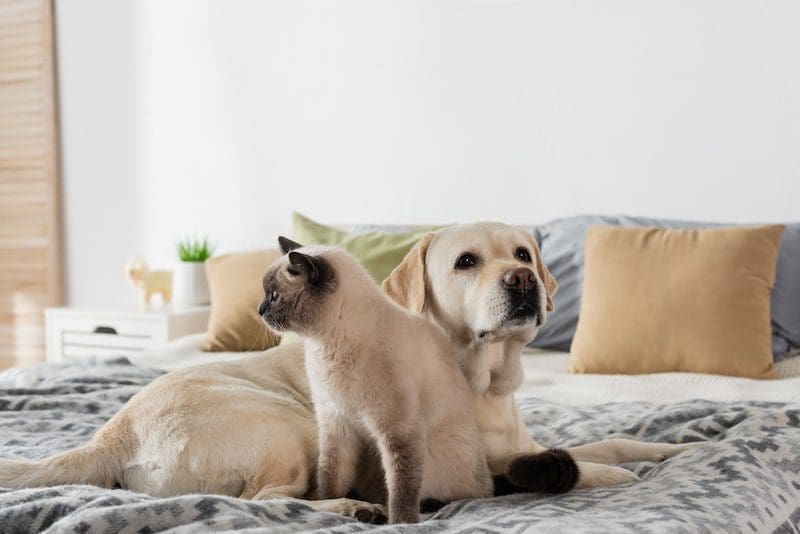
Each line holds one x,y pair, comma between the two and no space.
668,450
600,476
550,471
658,452
366,512
373,517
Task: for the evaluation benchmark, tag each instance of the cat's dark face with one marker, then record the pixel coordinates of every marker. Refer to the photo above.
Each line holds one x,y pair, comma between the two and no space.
295,288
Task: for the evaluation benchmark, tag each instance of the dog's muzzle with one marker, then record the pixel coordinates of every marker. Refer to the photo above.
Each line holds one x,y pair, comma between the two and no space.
523,294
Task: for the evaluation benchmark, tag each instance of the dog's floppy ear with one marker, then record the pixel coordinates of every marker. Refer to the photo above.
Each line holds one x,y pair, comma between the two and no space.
406,284
550,285
287,245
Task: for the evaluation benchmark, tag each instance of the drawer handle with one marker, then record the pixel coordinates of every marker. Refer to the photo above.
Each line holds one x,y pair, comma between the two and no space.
105,330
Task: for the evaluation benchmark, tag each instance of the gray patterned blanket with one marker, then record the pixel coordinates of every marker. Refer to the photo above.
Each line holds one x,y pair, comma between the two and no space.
747,478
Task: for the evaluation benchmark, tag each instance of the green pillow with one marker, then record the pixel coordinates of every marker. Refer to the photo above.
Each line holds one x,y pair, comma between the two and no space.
379,252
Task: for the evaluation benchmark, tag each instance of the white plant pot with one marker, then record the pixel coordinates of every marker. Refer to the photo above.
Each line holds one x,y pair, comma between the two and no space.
190,284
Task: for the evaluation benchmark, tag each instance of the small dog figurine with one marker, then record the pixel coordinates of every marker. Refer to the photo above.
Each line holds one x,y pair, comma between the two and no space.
149,282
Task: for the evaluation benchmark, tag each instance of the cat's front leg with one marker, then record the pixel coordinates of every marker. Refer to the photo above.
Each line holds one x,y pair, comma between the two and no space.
338,454
402,455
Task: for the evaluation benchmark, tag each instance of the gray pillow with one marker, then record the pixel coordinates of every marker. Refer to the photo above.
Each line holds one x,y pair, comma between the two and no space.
562,245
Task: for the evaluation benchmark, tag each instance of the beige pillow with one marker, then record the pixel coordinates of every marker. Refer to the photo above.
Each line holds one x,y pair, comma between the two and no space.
234,281
658,300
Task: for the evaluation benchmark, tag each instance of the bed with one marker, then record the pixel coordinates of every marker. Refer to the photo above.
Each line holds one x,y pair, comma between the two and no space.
747,475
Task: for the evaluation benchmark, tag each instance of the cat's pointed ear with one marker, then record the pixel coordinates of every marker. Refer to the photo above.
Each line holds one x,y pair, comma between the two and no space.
287,245
316,268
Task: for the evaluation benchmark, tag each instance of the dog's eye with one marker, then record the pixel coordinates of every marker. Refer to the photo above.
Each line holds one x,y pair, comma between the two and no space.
523,254
273,296
465,261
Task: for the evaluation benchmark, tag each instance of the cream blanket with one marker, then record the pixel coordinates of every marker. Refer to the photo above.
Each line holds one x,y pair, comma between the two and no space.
546,377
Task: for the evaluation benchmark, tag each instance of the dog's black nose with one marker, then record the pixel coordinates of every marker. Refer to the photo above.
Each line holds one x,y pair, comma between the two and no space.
519,279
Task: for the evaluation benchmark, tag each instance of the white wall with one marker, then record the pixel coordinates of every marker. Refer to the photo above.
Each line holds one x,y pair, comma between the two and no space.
222,116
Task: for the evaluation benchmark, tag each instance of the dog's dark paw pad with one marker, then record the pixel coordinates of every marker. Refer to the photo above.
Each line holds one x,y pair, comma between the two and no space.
365,516
551,471
368,516
503,486
428,506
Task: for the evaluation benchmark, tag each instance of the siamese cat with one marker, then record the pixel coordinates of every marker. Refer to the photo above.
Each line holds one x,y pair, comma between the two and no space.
382,379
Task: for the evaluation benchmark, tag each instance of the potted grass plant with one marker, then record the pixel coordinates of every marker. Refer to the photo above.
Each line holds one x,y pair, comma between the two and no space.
191,286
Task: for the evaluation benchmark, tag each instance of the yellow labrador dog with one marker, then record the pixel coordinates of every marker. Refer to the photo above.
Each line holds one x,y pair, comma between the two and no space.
247,428
487,286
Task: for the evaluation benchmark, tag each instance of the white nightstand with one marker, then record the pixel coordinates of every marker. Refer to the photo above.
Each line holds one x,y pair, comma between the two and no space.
123,330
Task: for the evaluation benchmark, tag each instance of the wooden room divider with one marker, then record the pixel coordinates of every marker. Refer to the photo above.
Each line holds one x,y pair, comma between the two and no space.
29,187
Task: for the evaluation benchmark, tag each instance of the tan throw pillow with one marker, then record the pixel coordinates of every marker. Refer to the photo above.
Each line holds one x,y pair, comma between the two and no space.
657,300
234,281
